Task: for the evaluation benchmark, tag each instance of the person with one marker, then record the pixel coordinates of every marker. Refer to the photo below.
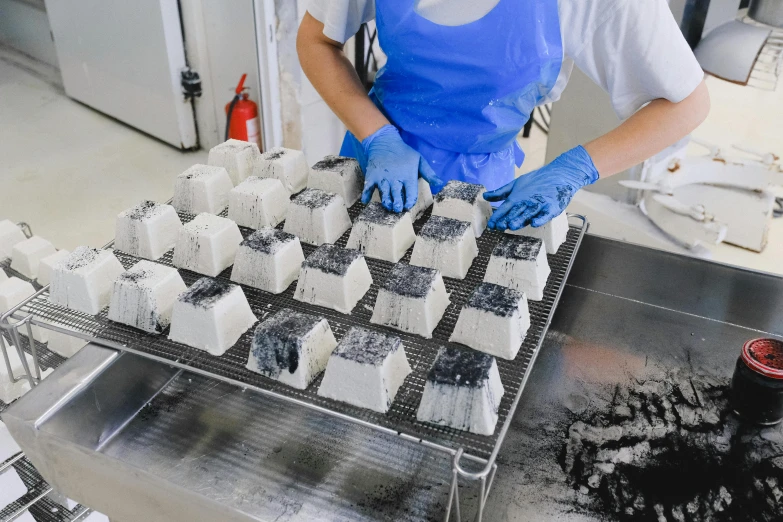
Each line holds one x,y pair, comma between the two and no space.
462,78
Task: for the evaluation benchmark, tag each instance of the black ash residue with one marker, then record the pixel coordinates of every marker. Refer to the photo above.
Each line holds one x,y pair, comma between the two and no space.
521,248
313,198
467,192
268,240
332,259
206,292
197,171
670,450
135,276
377,215
367,346
277,342
337,163
460,367
495,299
81,257
143,210
274,154
442,228
410,281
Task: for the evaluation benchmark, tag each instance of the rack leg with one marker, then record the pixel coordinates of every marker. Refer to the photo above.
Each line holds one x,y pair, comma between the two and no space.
453,497
486,486
33,351
23,358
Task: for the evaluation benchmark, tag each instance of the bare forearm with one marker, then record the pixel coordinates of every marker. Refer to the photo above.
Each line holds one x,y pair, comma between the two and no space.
649,131
335,79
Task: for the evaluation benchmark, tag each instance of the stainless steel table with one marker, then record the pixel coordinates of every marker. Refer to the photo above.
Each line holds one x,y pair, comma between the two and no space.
632,375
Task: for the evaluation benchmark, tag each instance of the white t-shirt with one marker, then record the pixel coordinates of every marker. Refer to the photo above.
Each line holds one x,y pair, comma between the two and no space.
633,49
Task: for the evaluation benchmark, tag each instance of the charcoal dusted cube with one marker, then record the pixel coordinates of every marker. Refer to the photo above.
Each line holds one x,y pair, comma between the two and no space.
207,245
202,188
339,175
148,230
269,259
465,202
333,277
317,217
382,234
239,158
447,245
519,262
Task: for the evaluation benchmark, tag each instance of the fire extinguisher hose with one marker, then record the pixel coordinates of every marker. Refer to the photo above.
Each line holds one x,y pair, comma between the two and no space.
228,114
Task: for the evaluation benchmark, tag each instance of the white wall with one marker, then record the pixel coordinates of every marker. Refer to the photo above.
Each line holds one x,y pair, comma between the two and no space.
25,27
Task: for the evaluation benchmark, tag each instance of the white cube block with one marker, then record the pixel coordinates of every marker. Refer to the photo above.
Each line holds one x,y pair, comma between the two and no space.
553,234
463,391
465,202
269,259
519,262
9,391
340,175
366,370
333,277
287,165
258,202
412,299
64,344
47,264
495,320
144,296
8,446
382,234
202,188
211,315
317,217
147,230
3,275
423,202
10,235
447,245
238,157
11,489
12,292
207,245
27,254
83,280
291,347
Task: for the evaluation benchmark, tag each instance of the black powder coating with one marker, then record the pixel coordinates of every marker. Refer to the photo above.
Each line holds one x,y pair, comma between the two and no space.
442,228
458,367
267,240
206,292
81,257
142,211
521,248
332,259
454,189
274,154
671,449
277,341
410,281
495,299
367,346
337,163
135,276
377,215
313,198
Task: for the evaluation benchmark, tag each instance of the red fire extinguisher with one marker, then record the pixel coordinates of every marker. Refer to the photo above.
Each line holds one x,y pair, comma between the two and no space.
242,121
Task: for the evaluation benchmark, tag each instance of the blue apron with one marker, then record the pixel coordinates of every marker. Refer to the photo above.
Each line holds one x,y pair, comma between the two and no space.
461,95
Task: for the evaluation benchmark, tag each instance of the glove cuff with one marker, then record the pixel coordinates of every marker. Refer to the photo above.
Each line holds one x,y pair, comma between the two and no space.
579,157
386,130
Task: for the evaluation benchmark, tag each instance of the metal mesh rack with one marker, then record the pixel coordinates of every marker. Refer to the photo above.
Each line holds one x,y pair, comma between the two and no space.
401,419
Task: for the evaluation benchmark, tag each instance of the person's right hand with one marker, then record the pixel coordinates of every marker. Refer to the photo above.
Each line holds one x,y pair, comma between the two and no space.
393,168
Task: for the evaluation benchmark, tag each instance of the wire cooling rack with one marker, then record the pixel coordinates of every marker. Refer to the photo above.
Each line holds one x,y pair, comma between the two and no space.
401,418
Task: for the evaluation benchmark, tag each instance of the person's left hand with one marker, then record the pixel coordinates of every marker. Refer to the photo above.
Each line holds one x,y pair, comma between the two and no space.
542,195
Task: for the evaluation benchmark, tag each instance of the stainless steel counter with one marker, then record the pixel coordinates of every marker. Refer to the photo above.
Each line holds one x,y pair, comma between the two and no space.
183,447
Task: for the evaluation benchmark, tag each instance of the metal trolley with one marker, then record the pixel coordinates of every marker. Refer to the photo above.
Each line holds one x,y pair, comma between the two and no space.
473,457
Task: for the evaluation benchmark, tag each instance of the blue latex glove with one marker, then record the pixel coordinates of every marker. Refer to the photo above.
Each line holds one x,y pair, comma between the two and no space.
394,167
542,195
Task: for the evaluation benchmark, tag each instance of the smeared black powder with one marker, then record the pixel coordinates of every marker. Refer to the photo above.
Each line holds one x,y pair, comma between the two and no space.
337,163
454,189
313,198
81,257
206,292
377,215
267,240
495,299
458,367
142,211
367,346
442,228
332,259
521,248
277,342
410,281
235,144
274,154
135,276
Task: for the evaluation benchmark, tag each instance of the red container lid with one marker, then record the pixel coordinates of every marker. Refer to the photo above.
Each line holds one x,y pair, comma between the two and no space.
764,356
